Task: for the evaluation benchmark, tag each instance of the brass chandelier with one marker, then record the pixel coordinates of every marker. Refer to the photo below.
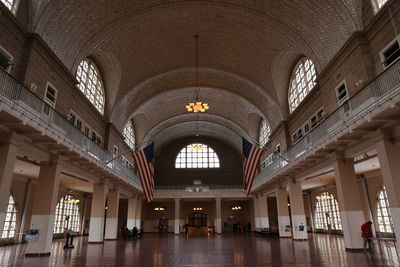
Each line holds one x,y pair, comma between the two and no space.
197,106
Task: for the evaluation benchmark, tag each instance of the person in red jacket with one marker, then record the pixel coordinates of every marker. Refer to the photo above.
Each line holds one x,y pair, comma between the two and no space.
366,233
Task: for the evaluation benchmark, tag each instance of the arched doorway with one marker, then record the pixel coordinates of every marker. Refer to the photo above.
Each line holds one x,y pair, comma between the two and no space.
197,223
163,225
197,219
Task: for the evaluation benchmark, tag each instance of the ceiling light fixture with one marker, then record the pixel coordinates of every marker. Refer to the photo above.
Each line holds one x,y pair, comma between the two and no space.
197,146
70,198
197,106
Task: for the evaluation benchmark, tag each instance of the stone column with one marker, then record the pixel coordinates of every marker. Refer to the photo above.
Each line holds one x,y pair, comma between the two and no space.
257,222
218,222
350,204
139,212
389,155
96,229
263,207
44,207
177,215
112,214
132,205
297,211
8,156
283,212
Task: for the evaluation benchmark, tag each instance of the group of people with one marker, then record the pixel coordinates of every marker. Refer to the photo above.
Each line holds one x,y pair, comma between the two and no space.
125,233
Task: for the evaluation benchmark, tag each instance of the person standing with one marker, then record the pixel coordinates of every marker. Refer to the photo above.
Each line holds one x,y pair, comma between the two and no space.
366,233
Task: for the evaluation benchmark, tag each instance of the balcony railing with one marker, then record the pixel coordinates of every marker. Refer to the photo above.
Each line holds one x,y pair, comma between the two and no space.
375,93
15,92
199,188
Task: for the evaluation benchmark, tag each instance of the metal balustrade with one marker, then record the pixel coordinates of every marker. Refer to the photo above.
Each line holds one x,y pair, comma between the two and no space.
15,92
374,94
203,186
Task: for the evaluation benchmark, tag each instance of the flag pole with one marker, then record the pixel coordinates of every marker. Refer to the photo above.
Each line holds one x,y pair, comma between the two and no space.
130,150
114,158
274,152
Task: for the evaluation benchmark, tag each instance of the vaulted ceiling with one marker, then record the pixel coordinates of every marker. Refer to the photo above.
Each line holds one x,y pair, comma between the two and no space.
146,53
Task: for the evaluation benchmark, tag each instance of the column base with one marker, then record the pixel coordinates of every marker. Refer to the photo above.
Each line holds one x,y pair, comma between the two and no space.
300,239
285,237
38,254
108,239
95,242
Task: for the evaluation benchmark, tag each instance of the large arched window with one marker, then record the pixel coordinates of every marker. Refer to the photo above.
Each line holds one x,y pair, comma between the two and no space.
67,215
10,221
129,134
91,84
303,80
378,4
11,5
327,214
197,156
384,216
265,131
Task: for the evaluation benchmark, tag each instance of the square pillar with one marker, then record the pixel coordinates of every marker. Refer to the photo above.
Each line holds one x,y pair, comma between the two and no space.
389,155
283,212
263,207
8,156
297,211
44,207
139,212
131,219
177,215
257,222
96,229
218,222
350,203
112,214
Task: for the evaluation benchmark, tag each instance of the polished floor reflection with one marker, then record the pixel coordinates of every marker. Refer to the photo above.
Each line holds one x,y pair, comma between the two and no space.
219,250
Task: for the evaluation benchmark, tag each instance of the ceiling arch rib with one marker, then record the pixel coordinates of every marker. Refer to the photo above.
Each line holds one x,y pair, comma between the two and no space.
189,118
170,104
218,80
189,128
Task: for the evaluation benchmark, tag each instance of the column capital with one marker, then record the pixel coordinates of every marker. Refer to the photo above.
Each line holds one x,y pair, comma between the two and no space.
340,156
12,138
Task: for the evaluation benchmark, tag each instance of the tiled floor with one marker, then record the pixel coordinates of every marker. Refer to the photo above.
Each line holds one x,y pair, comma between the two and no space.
220,250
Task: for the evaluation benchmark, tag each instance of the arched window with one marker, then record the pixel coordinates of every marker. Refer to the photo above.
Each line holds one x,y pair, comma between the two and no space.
197,156
11,5
378,4
327,214
303,80
67,215
265,131
10,221
385,222
129,134
91,84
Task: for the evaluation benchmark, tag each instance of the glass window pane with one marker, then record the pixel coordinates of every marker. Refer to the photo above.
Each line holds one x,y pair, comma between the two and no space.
90,84
197,156
303,80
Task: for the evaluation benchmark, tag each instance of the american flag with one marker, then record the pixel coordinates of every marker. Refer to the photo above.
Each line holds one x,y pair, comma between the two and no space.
144,162
251,162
